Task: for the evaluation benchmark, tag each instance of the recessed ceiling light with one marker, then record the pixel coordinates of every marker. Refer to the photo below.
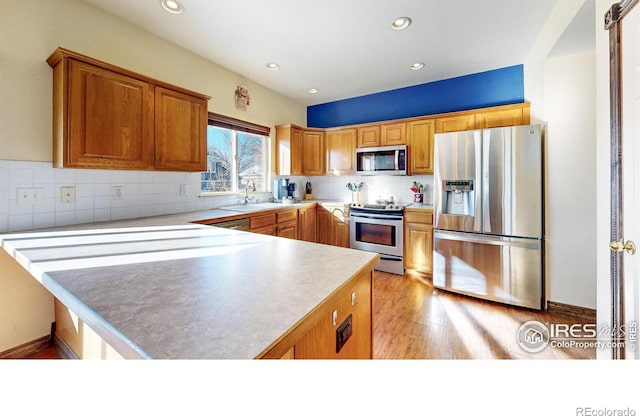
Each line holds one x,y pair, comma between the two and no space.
273,66
312,90
401,23
172,6
416,66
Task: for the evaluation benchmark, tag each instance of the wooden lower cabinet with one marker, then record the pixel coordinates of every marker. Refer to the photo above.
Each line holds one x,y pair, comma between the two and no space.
352,303
418,244
287,224
332,226
307,226
340,234
263,224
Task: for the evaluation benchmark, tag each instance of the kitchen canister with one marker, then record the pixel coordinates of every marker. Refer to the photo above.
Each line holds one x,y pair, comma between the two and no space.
418,199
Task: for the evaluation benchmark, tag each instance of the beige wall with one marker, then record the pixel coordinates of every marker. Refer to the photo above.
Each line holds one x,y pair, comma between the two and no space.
30,30
26,307
570,107
562,92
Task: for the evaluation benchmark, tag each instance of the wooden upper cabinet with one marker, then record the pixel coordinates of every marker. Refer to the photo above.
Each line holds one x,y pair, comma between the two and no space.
288,150
369,136
341,151
420,139
114,131
313,162
452,123
181,131
503,116
393,134
382,134
106,117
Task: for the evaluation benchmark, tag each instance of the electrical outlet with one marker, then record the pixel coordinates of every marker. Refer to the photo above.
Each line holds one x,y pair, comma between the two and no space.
24,196
67,194
38,196
118,192
29,196
183,190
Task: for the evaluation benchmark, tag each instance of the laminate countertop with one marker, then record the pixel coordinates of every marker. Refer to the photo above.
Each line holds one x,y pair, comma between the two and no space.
164,288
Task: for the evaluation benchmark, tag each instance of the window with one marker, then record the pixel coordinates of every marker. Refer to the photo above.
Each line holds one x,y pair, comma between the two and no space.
237,153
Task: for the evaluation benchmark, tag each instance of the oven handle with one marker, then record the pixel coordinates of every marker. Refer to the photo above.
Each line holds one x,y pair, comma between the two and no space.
377,217
383,257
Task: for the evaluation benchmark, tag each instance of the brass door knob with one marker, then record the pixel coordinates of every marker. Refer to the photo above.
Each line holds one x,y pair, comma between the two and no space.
620,245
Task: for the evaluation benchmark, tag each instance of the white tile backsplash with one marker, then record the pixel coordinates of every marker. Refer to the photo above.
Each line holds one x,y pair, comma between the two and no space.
152,193
335,187
146,193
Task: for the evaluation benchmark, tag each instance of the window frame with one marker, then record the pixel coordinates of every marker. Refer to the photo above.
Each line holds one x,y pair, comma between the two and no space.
225,122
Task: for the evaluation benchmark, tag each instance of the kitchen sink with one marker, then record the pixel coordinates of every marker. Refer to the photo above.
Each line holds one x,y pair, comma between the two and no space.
255,207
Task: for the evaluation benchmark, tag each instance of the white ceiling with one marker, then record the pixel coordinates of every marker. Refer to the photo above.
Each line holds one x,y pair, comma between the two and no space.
346,48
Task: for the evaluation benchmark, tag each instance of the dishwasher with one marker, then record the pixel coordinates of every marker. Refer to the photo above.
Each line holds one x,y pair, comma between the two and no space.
241,224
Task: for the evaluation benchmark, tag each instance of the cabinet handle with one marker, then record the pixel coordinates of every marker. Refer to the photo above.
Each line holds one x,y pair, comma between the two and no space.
335,317
353,298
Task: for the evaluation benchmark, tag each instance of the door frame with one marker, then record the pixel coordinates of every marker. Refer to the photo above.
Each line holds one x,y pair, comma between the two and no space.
613,23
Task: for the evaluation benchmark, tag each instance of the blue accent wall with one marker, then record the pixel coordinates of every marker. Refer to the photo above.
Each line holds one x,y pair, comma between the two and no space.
485,89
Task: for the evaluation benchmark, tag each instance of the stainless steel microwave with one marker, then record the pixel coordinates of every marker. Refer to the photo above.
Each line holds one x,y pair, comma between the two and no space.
384,160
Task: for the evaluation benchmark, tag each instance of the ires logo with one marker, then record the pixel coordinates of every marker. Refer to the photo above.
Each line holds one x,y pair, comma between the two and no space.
535,336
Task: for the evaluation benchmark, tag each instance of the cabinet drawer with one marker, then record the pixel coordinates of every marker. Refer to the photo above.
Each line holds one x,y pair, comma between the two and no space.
419,217
263,221
284,216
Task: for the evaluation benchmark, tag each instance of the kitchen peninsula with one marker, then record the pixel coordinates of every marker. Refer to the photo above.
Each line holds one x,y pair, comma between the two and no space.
166,288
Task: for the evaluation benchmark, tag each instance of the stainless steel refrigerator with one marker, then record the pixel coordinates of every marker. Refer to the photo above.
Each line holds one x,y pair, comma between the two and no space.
488,214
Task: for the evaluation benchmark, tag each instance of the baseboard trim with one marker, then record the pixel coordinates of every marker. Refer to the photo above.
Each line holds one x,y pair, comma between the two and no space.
63,349
27,349
571,310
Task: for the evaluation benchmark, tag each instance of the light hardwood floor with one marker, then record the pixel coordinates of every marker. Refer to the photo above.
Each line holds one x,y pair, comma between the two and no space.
414,320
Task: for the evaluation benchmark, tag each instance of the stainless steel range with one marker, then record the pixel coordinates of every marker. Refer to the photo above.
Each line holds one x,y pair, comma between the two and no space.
379,228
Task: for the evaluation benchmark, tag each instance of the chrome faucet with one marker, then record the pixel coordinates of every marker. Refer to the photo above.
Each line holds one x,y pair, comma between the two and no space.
250,185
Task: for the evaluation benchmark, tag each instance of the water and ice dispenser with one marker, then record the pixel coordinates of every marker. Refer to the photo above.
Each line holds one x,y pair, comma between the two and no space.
458,197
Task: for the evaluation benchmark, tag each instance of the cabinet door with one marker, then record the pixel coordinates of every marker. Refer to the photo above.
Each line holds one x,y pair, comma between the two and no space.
355,300
500,118
393,134
307,224
455,123
421,146
323,226
181,131
341,151
296,152
288,150
418,234
340,233
109,122
369,136
288,230
313,152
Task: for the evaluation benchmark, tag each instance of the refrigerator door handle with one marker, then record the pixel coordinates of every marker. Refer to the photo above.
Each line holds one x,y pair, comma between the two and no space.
486,209
489,239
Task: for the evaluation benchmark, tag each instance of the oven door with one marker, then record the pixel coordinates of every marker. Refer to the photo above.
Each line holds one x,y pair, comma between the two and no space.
379,233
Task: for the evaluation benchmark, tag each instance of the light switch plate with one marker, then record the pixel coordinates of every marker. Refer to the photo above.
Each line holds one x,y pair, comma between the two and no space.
118,192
